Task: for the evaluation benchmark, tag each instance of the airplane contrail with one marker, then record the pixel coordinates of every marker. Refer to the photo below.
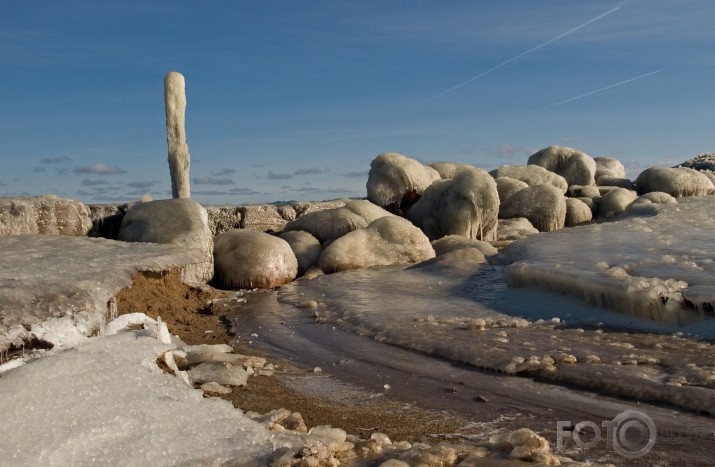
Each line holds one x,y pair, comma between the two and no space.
543,44
597,90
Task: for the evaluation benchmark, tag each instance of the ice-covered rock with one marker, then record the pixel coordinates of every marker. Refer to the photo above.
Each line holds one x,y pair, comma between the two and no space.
644,204
703,162
222,373
388,240
544,205
529,446
180,221
615,202
676,182
575,166
607,180
330,224
247,259
449,169
306,248
609,167
515,229
577,212
393,175
57,282
584,191
179,159
466,205
455,242
46,214
463,259
532,175
507,186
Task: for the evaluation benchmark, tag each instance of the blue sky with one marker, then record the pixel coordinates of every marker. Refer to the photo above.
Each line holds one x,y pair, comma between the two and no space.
292,100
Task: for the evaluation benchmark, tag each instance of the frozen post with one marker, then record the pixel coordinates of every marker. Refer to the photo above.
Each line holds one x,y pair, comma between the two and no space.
175,101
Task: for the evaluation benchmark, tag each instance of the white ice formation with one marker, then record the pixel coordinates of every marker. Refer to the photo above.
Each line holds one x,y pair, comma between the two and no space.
677,182
575,166
388,240
456,242
393,175
466,205
657,267
577,212
178,221
507,186
532,175
449,169
48,215
306,248
544,205
54,287
615,202
330,224
609,167
247,259
179,159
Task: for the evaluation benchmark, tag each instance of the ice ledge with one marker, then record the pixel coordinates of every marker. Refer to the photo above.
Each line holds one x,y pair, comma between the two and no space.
658,267
52,284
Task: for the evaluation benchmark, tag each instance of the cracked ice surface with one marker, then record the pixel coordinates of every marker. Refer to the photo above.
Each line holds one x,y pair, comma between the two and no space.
659,265
58,288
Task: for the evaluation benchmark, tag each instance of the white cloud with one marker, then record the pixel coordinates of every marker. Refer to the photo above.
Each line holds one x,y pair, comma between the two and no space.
212,181
278,176
100,169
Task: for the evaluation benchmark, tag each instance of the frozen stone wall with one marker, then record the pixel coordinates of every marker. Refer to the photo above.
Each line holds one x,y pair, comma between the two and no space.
46,214
262,217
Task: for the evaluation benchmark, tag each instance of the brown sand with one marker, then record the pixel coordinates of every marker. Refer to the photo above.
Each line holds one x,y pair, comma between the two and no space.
190,314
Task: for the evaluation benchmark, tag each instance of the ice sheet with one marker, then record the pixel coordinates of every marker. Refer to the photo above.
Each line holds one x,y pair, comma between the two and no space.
658,266
57,286
106,402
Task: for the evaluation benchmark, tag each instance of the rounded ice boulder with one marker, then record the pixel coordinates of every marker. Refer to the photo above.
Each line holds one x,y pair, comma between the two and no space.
388,240
577,212
507,186
677,182
615,202
450,243
532,175
609,167
392,176
330,224
575,166
306,247
466,205
449,169
178,221
544,206
248,259
647,204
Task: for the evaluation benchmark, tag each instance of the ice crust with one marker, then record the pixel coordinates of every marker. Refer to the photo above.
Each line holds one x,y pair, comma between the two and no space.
59,288
111,405
643,266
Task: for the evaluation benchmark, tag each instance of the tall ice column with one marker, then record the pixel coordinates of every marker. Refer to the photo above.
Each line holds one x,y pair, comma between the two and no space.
175,101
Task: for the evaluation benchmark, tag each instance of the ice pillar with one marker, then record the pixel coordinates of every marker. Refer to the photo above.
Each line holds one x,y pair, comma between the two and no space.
175,101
